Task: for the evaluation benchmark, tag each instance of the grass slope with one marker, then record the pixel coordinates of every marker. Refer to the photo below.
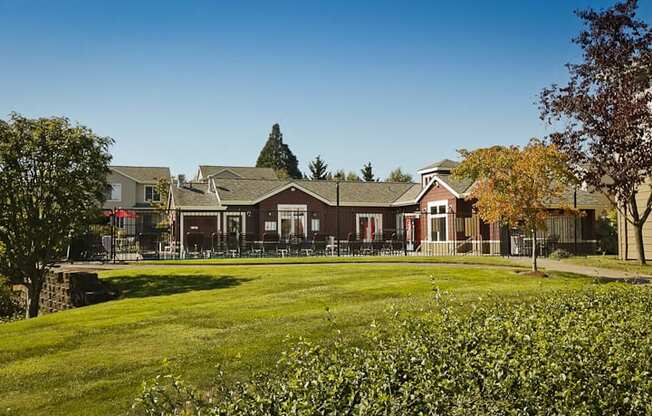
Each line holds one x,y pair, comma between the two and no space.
92,360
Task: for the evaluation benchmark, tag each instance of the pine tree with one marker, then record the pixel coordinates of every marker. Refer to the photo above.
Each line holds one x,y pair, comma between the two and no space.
277,155
368,173
397,175
318,169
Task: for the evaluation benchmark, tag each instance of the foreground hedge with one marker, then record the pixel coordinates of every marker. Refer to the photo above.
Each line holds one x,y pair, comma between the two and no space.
578,353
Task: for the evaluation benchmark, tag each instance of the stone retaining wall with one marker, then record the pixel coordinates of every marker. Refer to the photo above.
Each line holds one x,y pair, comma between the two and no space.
67,290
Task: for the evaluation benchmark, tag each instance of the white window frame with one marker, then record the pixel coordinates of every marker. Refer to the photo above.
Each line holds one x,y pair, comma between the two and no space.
115,187
431,216
379,223
270,225
153,190
281,208
316,221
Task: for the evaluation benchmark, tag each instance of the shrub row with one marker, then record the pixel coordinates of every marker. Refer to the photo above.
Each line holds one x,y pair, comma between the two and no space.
586,352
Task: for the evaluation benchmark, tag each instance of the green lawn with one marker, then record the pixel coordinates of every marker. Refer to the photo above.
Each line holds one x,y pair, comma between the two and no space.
482,260
612,262
92,360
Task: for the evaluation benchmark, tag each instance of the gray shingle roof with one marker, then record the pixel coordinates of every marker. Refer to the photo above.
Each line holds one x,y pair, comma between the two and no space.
143,174
442,164
459,185
234,172
247,191
193,195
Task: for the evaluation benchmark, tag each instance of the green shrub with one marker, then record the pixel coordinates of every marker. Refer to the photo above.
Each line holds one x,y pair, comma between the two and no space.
560,253
10,307
567,353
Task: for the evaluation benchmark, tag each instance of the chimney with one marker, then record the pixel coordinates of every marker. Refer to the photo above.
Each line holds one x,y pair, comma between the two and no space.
181,180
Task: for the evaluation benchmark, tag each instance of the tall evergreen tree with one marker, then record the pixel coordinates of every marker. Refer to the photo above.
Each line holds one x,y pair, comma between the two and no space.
278,156
368,173
318,169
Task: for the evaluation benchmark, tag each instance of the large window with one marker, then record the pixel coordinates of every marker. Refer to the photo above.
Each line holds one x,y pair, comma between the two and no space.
369,226
292,220
114,192
437,221
152,194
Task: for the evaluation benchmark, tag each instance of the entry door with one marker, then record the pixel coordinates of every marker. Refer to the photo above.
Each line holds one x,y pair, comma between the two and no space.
234,224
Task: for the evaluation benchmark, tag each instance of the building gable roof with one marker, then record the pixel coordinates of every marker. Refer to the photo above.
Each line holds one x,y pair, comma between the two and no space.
143,174
235,172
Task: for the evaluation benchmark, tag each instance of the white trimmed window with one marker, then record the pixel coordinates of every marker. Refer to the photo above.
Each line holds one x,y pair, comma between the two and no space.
152,194
114,192
270,225
438,221
369,227
315,224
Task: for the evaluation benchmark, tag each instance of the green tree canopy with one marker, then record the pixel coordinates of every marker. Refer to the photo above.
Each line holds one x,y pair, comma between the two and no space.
318,169
52,181
397,175
278,156
368,173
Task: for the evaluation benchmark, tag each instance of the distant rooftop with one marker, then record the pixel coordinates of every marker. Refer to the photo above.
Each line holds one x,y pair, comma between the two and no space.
143,174
235,172
444,164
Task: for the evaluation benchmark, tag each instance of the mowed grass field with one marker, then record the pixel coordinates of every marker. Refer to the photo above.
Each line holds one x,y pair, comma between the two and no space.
92,360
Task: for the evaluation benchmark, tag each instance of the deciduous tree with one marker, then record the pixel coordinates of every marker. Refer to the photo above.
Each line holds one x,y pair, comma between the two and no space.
513,186
278,156
603,114
52,181
397,175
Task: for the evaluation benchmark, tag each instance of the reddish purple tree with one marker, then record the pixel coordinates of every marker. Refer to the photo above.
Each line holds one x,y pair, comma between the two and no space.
603,117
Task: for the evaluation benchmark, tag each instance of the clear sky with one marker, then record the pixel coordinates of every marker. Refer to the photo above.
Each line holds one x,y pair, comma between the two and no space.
188,82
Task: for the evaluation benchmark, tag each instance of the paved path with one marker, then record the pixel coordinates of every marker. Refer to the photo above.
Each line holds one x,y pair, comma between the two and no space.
548,264
562,266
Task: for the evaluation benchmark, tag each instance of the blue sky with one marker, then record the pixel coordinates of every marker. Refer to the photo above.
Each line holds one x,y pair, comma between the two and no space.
183,83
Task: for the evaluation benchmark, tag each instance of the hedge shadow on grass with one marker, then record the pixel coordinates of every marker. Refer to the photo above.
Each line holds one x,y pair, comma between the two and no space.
147,285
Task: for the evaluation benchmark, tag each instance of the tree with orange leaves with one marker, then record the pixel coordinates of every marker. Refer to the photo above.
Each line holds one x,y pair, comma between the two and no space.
513,185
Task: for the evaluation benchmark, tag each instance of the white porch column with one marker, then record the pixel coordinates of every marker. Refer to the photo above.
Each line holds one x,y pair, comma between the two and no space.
182,253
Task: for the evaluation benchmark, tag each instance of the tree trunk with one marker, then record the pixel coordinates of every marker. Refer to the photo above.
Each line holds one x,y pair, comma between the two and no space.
34,296
638,229
535,268
638,232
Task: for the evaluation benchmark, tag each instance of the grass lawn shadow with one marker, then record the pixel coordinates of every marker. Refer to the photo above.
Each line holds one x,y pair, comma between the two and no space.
146,285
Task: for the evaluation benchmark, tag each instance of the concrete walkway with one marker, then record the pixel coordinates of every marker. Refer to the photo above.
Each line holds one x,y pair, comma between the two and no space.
547,264
561,266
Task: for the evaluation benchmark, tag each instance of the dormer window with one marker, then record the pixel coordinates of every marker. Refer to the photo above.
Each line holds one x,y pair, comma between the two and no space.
152,194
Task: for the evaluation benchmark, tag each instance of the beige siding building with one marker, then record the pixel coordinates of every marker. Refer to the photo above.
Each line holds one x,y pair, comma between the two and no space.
626,236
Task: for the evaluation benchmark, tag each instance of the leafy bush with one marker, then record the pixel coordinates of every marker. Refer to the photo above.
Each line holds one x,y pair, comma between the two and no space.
566,353
10,307
560,253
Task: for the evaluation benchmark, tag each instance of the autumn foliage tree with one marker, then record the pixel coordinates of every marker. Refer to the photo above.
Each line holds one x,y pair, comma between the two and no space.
603,114
514,185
